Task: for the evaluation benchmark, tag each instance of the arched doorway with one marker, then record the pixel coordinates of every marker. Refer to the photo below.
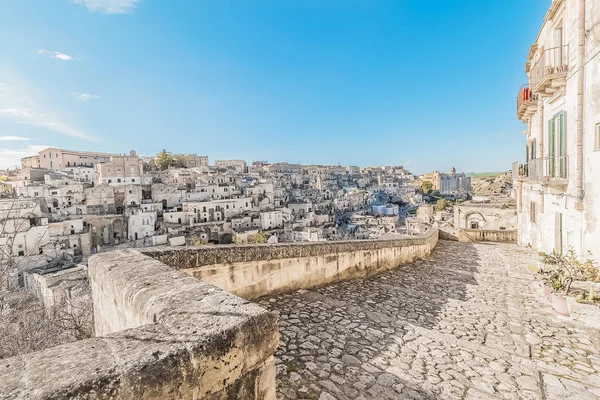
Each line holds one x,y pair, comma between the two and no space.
474,220
117,228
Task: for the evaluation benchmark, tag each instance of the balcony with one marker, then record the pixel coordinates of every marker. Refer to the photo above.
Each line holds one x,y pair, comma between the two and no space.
526,103
549,71
519,171
548,171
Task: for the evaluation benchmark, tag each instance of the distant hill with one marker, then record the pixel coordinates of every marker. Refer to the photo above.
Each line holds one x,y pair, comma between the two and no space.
491,184
485,174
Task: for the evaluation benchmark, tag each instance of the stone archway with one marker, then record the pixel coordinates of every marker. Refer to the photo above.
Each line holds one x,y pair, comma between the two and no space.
474,220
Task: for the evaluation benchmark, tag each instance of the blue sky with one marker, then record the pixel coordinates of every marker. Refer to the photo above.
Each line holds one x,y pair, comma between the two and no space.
425,84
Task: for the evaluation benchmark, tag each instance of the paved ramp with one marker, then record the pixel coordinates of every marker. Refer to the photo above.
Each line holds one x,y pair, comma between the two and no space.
463,324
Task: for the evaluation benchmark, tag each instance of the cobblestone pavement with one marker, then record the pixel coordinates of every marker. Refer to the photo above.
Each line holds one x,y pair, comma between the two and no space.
466,323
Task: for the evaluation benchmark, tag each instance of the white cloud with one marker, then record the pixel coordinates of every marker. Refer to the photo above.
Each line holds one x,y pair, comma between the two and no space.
14,138
109,6
10,158
25,104
62,56
55,54
84,96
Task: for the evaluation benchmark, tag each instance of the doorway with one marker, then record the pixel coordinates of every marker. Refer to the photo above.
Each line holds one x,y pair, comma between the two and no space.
558,233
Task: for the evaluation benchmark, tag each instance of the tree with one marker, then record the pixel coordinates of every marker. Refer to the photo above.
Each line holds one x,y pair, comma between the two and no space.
26,325
179,161
260,237
14,218
426,186
441,205
164,160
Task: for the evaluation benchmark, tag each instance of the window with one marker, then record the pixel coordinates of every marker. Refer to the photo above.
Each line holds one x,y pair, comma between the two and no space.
557,148
532,212
119,180
597,137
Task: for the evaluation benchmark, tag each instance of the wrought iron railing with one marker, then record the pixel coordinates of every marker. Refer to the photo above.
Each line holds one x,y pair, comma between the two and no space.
552,61
546,169
524,97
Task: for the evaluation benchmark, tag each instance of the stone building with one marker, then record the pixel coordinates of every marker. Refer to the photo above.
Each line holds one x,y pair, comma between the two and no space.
237,165
486,214
100,200
120,170
30,162
558,185
141,225
451,183
58,159
192,160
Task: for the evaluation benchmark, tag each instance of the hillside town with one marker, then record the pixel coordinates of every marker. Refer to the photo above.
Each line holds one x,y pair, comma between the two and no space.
62,206
179,276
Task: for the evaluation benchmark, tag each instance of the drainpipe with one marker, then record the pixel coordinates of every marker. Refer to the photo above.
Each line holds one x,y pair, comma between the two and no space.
580,103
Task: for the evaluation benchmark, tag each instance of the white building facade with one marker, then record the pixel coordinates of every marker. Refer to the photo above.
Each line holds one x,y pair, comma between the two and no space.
558,187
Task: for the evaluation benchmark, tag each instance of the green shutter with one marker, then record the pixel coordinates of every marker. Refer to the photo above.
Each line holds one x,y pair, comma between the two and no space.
562,149
551,147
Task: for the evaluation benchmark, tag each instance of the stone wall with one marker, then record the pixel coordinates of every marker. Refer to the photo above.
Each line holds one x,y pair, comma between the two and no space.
256,270
485,235
167,336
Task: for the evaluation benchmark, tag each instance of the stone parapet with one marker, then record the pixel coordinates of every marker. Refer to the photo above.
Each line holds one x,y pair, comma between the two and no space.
167,336
487,235
256,270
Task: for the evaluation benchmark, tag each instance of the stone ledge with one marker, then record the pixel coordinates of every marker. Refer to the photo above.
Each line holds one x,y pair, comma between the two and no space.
193,257
182,339
257,270
487,235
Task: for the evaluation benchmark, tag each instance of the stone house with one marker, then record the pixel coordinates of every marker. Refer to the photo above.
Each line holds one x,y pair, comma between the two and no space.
57,159
487,215
271,219
100,200
558,185
141,225
120,170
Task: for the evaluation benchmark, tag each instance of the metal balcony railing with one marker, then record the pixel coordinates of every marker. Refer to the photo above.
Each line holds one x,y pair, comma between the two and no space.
547,169
544,169
519,170
525,99
552,62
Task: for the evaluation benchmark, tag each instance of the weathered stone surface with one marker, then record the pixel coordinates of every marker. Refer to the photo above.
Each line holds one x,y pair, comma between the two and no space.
256,270
466,323
174,338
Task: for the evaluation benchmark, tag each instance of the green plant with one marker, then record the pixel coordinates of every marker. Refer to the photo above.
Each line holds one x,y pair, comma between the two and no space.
589,297
426,186
555,281
260,237
568,267
441,205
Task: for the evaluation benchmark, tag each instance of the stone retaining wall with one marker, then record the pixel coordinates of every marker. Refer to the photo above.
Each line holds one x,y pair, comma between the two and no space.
485,235
256,270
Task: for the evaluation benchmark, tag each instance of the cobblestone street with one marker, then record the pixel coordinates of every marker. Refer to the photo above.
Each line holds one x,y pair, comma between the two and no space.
467,323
